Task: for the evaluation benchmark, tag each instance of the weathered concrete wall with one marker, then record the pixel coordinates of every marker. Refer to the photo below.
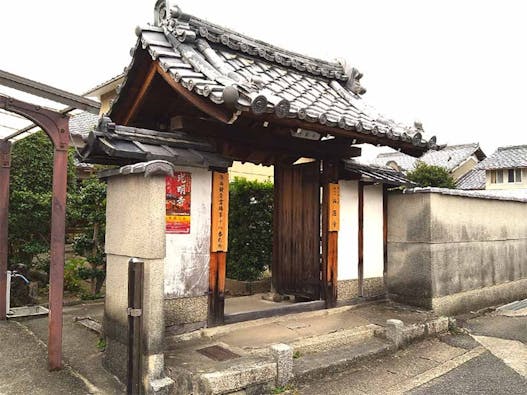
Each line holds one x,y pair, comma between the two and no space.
455,253
187,260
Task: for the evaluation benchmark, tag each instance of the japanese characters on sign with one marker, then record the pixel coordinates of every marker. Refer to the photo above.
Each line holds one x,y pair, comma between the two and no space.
334,207
178,190
220,212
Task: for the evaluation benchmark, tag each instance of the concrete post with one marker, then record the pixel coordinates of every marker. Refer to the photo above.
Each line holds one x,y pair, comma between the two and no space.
394,332
283,356
136,228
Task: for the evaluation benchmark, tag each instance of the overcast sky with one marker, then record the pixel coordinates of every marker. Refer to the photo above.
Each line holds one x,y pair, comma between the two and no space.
460,67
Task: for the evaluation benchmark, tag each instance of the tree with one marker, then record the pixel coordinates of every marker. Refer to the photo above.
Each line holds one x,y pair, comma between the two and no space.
250,229
431,176
30,200
90,215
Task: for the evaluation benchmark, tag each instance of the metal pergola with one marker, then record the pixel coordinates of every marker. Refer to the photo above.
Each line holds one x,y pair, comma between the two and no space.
55,123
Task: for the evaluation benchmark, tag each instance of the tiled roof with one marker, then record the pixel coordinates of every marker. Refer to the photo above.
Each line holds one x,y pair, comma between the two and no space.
384,175
450,157
83,123
121,145
506,158
473,180
515,195
252,76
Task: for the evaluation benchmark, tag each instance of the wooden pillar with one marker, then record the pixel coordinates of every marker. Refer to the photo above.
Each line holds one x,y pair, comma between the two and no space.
361,239
5,165
218,246
385,233
330,228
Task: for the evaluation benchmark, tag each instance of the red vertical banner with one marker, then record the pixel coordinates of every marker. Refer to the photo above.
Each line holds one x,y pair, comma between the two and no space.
178,188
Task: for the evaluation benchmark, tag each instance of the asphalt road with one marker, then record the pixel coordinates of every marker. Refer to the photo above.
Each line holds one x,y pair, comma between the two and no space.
451,364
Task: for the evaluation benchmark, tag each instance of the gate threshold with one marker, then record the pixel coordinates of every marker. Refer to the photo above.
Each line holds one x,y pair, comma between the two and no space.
299,307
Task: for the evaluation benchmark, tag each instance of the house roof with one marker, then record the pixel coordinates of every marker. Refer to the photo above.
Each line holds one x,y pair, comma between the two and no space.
250,76
450,157
381,174
473,180
122,145
506,158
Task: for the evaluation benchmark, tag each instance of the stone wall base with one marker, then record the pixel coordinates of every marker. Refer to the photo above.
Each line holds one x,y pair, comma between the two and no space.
115,358
185,314
349,289
470,300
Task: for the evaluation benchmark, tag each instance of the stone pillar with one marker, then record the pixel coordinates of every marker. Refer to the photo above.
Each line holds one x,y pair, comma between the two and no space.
135,227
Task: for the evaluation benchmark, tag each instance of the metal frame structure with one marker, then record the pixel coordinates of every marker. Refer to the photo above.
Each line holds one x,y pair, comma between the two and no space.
55,124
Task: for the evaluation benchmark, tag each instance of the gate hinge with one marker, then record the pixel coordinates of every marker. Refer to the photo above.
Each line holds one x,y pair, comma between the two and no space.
134,312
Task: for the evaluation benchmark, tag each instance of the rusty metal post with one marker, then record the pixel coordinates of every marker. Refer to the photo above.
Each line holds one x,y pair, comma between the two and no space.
135,323
5,165
56,270
56,126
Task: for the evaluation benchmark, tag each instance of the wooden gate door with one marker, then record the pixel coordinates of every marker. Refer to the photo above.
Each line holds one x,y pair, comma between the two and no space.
296,247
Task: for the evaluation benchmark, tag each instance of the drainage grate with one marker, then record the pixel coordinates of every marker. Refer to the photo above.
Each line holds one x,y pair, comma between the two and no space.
218,353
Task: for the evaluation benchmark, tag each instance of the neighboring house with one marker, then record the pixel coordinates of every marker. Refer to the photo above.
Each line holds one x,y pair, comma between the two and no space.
504,171
458,160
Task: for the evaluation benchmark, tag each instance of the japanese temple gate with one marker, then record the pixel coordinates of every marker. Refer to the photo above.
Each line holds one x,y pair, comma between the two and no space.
196,97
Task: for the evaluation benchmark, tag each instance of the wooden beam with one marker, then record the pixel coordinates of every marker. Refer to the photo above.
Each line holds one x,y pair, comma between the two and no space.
140,97
406,147
271,139
361,239
204,105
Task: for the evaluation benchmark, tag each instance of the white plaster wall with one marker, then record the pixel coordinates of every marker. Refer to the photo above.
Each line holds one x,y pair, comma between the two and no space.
348,233
373,231
187,255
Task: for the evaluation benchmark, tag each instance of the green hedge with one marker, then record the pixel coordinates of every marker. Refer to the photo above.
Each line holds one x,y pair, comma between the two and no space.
250,229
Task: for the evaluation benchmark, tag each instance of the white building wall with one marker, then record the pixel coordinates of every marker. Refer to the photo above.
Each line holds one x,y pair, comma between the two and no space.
349,228
373,231
187,255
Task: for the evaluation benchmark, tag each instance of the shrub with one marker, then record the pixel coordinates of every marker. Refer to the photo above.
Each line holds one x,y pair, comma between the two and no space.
431,176
250,229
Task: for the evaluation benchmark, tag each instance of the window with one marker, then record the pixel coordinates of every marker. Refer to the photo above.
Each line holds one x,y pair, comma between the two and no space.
499,176
511,175
493,176
518,177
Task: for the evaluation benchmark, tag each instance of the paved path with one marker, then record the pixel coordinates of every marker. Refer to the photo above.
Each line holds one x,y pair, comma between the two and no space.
23,364
23,357
491,360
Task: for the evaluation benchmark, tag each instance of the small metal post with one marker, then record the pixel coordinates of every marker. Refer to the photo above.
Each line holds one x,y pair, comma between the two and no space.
135,323
8,293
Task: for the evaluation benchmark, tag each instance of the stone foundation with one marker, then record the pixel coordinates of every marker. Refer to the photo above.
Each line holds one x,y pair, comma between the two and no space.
185,314
349,289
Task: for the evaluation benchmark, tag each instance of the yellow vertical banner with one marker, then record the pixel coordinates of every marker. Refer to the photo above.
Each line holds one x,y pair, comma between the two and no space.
220,212
334,207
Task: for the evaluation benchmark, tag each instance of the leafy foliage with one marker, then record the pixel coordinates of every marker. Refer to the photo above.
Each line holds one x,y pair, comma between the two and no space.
250,229
431,176
89,212
30,200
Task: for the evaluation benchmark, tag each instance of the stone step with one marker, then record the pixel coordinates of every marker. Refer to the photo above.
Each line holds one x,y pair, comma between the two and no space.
335,340
316,365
